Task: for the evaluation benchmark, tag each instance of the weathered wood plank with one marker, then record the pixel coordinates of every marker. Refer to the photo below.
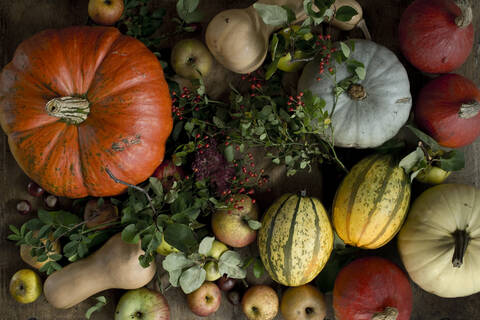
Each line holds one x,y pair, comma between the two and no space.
22,18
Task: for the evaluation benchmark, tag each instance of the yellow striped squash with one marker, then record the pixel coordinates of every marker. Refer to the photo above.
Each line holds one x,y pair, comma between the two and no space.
371,203
295,240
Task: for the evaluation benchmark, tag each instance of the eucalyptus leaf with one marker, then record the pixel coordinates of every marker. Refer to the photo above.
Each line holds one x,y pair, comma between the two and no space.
345,49
429,141
361,73
230,262
205,245
272,14
412,160
229,153
176,261
254,224
192,278
345,13
452,161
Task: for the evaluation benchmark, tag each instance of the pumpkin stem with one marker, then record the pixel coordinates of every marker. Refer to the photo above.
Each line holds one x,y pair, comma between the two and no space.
461,242
357,92
73,110
390,313
466,18
469,110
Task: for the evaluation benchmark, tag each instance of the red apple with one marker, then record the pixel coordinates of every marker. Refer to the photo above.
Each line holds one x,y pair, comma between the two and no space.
105,12
95,215
260,303
205,300
168,173
230,226
303,303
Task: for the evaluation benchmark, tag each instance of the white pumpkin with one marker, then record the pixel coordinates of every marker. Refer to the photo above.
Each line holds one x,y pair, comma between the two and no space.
359,120
432,246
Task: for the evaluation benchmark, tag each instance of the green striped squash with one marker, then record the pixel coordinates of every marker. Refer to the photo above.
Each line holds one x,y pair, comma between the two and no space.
371,203
295,240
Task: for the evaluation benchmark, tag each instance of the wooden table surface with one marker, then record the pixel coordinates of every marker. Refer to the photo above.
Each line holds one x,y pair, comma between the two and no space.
20,19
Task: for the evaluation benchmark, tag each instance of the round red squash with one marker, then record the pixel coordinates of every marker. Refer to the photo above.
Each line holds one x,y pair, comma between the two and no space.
372,288
437,36
78,101
448,109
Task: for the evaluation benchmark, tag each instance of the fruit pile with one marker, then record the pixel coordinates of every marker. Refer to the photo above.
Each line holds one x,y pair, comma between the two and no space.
143,173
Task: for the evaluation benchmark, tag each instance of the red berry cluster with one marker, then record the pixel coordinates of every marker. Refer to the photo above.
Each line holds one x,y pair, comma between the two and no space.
295,101
186,98
326,53
256,81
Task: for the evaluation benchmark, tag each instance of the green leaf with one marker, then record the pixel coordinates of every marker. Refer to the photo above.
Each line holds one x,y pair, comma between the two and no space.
176,261
361,73
190,5
218,122
156,186
412,160
274,45
272,67
189,126
272,14
192,278
55,256
43,231
129,234
180,236
429,141
229,153
452,161
254,224
177,130
205,245
14,229
45,216
345,13
288,160
345,49
230,262
290,14
258,268
14,237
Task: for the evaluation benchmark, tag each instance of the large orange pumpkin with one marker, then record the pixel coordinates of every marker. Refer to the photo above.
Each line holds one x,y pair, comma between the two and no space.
77,101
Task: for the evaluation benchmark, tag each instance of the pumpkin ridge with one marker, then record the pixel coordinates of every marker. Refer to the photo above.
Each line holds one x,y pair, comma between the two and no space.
270,234
287,249
355,188
380,194
397,207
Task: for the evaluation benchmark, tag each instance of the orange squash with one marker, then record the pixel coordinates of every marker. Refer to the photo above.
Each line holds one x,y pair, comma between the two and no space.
77,101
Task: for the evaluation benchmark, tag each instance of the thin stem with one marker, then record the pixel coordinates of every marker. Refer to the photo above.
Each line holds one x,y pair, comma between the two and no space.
155,214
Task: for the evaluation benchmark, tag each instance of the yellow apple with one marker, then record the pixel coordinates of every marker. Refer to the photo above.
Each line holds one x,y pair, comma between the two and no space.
25,286
165,249
191,59
32,261
217,249
211,268
106,12
432,175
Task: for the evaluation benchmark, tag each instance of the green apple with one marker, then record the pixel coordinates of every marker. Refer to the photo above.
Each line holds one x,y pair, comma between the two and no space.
230,226
217,249
211,268
432,175
142,304
165,249
25,286
285,63
105,12
191,59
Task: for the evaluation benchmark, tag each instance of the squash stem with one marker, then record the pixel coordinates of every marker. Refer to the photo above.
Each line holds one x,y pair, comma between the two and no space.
390,313
466,18
461,242
362,25
73,110
357,92
469,110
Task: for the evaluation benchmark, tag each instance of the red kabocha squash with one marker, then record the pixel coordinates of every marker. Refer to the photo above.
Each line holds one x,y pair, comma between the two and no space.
448,109
78,101
437,36
372,288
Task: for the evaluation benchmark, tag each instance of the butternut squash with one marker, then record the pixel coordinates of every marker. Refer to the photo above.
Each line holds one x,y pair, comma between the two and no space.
114,265
238,38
